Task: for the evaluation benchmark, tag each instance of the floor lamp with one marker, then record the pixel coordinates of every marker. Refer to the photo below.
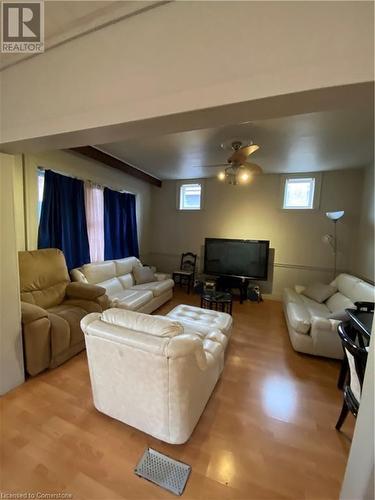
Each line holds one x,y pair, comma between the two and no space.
332,239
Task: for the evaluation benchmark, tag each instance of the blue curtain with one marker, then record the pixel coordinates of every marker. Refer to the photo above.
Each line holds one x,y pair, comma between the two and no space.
120,225
63,220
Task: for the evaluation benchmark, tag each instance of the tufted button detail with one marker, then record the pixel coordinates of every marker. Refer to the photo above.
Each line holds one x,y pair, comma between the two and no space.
204,321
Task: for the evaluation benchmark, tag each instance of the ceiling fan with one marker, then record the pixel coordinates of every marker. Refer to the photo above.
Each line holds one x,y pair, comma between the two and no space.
238,169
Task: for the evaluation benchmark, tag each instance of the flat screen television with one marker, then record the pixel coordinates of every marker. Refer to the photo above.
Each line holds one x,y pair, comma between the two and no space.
237,258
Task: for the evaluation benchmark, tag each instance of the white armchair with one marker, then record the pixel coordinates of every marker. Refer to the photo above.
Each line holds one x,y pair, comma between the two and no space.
148,374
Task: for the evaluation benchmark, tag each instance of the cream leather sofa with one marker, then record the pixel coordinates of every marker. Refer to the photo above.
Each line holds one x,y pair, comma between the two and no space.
116,276
310,329
148,373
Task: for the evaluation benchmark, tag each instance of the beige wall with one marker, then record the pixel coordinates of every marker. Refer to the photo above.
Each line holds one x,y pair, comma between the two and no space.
11,358
75,165
253,212
363,255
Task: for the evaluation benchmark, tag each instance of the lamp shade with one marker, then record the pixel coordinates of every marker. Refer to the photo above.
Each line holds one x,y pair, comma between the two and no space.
335,216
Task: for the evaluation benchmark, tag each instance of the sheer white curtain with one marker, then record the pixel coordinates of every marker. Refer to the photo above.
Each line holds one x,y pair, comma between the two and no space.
94,202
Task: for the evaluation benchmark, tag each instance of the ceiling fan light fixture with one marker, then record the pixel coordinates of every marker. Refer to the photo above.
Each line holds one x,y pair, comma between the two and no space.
244,177
237,169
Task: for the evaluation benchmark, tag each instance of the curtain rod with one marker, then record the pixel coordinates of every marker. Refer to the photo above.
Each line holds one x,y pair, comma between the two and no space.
96,184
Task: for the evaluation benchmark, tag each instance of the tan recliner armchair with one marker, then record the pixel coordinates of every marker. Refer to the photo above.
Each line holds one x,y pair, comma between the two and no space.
52,308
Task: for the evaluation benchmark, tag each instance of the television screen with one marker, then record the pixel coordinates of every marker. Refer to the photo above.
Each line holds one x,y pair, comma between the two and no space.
240,258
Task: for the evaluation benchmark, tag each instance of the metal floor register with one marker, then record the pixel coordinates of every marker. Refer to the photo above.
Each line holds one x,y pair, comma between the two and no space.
166,472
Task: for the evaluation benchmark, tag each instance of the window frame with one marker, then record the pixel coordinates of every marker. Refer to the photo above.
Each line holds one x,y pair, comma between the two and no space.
316,177
180,186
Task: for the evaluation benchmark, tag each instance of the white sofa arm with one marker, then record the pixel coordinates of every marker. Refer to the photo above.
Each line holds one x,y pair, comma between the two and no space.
77,275
325,338
162,276
186,344
89,318
207,352
328,325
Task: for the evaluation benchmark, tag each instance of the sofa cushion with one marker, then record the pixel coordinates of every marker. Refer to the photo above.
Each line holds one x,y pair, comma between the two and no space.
143,274
59,334
345,284
159,326
299,317
338,302
126,266
156,287
31,312
113,287
354,288
131,299
314,308
319,292
363,292
98,272
126,280
43,277
72,315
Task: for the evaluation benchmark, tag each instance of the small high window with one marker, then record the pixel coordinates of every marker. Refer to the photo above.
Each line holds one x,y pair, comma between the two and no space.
299,193
190,197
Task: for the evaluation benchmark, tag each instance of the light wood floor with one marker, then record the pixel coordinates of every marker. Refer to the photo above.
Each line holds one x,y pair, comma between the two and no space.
267,431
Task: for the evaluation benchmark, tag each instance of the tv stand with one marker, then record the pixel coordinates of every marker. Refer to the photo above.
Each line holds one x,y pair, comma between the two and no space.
226,283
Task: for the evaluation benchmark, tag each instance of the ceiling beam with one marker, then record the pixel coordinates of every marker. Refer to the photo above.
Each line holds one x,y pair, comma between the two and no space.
112,161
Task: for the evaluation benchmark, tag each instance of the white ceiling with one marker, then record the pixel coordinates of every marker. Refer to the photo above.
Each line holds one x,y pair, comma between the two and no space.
311,142
64,20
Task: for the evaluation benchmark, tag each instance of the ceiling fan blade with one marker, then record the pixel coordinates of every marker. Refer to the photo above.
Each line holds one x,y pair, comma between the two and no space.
218,165
241,154
253,167
250,149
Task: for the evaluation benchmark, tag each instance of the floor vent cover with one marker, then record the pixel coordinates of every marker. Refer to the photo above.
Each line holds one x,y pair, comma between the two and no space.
166,472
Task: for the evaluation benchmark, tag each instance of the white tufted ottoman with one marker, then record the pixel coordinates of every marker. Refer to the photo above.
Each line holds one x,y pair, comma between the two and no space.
213,325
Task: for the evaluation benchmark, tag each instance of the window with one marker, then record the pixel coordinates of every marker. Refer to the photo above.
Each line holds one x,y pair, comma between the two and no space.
40,190
94,205
299,193
190,197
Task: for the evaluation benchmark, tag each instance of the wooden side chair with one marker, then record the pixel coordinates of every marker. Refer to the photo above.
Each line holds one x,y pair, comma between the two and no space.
356,358
186,274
